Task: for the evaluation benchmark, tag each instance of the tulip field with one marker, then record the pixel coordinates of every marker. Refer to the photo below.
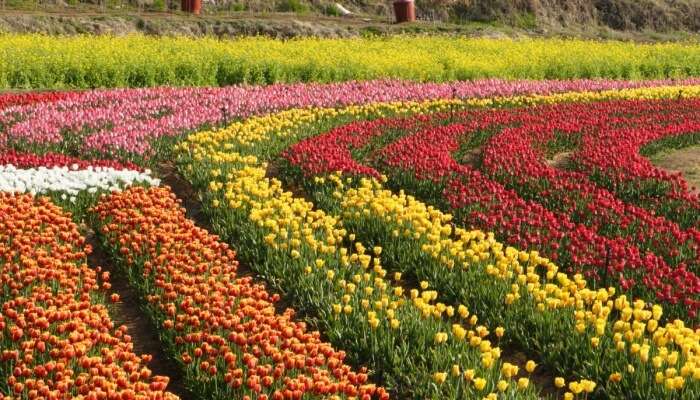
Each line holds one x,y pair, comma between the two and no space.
483,239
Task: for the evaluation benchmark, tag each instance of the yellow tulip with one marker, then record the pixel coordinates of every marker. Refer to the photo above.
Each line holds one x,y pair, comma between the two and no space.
440,377
499,332
575,387
479,384
530,366
559,382
395,323
588,386
469,374
523,383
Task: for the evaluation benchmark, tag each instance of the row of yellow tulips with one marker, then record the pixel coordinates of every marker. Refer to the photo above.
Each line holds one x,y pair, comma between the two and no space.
577,331
407,338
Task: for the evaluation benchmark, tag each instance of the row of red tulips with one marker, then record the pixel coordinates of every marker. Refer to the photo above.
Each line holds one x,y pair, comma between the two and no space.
51,160
615,159
524,200
27,98
222,328
517,156
57,338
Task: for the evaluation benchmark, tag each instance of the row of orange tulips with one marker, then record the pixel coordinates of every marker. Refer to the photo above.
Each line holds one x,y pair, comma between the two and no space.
222,328
57,338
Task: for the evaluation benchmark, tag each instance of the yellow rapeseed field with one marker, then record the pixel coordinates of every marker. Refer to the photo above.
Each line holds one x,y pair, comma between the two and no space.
35,61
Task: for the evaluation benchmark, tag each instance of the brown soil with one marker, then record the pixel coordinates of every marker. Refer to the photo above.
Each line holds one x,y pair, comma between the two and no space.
273,172
191,202
541,377
686,161
143,332
167,172
472,158
560,160
552,18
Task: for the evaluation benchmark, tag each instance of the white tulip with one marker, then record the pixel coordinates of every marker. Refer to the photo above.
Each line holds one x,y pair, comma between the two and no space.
68,180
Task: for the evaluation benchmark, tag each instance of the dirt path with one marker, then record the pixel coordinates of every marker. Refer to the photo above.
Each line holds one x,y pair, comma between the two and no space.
471,158
185,192
358,20
686,161
193,207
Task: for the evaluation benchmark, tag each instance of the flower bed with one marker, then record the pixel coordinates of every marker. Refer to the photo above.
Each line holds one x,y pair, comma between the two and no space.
419,303
53,160
57,338
22,99
223,329
413,344
40,61
216,160
573,238
127,123
616,159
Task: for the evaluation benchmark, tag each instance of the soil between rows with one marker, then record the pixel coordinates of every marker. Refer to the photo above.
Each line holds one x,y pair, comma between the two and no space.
184,191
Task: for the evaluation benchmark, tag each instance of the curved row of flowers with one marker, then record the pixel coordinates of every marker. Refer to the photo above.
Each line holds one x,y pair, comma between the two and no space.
211,158
222,328
72,183
57,338
420,348
518,212
575,331
408,341
511,156
129,121
27,98
571,203
53,160
614,159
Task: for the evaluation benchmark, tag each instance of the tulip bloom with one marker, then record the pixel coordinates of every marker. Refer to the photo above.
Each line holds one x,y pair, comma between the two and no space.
56,334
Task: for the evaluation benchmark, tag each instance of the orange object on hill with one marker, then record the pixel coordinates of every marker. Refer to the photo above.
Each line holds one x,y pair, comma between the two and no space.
192,6
405,11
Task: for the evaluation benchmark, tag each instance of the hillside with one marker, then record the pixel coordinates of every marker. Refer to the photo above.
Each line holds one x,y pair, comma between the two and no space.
610,19
634,15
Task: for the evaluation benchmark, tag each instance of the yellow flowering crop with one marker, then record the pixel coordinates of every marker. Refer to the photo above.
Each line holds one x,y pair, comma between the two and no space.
37,61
